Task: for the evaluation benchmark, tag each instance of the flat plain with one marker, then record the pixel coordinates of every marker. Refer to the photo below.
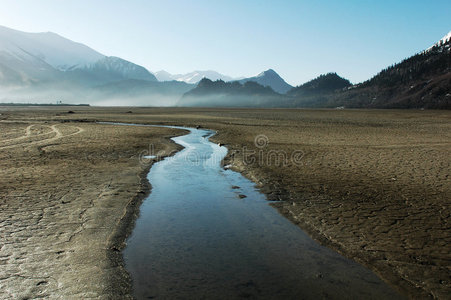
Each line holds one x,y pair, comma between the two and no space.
372,184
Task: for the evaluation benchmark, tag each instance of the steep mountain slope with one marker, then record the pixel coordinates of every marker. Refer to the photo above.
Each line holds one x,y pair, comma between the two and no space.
272,79
108,69
24,70
121,68
420,81
218,93
58,52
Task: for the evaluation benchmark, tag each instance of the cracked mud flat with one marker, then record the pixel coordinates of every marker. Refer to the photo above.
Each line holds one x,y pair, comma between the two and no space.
373,185
65,189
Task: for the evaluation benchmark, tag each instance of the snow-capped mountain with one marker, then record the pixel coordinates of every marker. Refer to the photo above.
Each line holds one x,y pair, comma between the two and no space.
163,76
442,41
121,68
59,52
41,57
272,79
193,77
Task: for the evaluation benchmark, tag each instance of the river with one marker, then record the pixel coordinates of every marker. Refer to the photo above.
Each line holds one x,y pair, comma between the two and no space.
207,233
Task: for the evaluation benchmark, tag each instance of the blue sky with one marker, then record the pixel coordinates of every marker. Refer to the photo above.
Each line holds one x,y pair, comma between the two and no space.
299,39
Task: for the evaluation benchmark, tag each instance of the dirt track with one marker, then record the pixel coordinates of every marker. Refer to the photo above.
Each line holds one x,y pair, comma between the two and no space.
374,185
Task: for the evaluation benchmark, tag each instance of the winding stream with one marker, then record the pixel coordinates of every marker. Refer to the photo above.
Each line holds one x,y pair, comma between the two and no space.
197,238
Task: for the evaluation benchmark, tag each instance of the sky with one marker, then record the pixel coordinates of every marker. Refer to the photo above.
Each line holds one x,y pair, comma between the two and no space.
298,39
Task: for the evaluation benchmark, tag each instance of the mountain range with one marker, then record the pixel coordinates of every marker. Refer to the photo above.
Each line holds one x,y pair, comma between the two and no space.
44,67
420,81
266,78
193,77
252,94
33,58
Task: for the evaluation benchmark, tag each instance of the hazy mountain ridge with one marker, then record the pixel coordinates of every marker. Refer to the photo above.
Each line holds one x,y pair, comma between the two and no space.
235,94
45,65
266,78
28,70
192,77
272,79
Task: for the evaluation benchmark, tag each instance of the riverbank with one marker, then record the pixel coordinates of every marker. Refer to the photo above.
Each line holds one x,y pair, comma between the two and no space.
69,195
374,185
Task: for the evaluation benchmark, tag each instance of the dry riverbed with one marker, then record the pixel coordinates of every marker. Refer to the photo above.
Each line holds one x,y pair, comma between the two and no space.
374,185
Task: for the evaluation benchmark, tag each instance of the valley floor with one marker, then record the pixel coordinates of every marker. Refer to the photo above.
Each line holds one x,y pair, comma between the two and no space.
372,184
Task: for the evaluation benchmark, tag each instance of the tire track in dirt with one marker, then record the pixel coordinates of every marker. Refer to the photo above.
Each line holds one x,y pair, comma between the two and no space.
28,134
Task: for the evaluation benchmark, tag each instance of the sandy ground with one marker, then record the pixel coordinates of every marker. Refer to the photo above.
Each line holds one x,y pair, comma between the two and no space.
374,185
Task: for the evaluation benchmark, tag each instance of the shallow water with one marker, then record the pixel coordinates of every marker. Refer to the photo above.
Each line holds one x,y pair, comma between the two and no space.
197,239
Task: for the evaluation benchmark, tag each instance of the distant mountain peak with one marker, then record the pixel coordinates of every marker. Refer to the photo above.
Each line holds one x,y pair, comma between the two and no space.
272,79
267,72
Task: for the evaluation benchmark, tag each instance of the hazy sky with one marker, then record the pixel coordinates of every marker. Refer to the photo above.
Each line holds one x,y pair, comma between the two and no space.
299,39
